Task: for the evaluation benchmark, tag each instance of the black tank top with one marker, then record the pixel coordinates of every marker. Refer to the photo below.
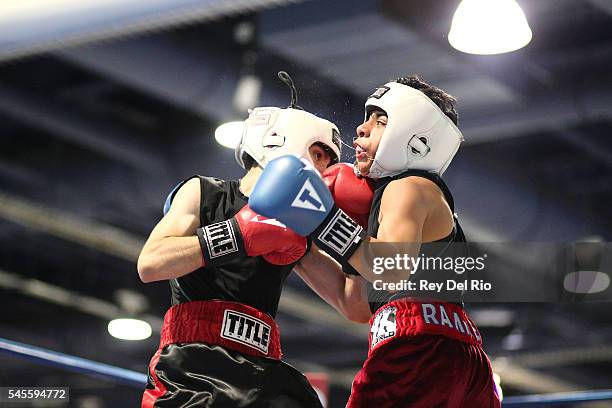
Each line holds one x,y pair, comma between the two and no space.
378,298
248,280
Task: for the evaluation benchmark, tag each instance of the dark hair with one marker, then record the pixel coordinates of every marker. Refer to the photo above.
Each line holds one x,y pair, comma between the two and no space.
446,102
249,162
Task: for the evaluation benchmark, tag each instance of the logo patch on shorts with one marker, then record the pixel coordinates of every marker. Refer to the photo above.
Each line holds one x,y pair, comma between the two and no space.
384,326
246,330
220,239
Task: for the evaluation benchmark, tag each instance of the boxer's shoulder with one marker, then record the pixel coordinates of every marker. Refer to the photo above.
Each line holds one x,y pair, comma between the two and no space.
413,189
196,187
186,198
406,190
418,198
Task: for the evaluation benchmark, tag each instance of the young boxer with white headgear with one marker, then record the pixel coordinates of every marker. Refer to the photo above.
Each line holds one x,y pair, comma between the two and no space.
424,351
226,264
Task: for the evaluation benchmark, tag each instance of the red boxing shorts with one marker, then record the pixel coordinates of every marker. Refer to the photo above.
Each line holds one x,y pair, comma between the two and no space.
222,354
424,355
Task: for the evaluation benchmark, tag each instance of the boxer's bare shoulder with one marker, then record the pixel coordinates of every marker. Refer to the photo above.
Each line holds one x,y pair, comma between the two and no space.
418,199
187,198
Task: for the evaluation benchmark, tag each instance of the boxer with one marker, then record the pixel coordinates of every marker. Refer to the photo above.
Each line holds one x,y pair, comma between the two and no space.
422,352
226,264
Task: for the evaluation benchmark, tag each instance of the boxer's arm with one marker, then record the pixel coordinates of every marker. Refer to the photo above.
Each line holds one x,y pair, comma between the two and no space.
403,211
173,250
345,293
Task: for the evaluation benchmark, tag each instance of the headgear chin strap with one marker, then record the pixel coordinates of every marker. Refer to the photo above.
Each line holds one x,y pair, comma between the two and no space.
271,132
418,134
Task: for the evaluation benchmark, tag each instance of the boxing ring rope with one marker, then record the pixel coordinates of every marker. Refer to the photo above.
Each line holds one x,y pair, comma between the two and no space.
557,399
138,380
74,364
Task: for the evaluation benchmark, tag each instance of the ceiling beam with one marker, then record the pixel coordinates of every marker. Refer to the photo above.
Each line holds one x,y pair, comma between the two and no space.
564,357
88,233
581,141
103,138
552,112
602,5
60,296
57,24
202,82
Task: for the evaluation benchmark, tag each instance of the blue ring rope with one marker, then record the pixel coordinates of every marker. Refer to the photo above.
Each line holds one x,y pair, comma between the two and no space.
557,399
71,363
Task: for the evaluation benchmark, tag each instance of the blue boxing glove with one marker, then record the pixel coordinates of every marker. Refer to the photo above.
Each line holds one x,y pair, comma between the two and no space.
293,192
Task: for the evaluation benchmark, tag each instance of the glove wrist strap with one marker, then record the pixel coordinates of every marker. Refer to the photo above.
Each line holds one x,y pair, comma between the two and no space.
221,242
339,236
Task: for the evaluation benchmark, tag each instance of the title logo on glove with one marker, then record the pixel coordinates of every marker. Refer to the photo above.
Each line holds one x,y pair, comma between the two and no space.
340,233
221,239
308,198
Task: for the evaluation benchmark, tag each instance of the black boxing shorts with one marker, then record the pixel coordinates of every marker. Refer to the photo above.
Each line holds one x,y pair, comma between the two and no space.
423,355
222,354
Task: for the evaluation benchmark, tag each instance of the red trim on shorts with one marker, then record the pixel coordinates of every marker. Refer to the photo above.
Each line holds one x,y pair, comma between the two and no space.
150,396
439,318
202,322
419,351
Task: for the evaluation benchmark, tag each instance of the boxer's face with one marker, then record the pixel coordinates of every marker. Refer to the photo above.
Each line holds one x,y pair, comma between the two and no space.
319,157
368,138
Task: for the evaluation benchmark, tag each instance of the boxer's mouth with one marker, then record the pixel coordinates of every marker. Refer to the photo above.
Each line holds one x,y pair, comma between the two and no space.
361,154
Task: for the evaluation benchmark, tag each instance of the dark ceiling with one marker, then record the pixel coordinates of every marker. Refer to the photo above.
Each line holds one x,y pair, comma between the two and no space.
96,132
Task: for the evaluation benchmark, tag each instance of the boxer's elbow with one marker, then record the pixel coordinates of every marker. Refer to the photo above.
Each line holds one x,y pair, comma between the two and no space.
355,312
352,300
148,268
145,271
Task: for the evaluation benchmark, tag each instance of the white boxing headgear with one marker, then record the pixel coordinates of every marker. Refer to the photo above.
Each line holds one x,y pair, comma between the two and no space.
272,132
418,135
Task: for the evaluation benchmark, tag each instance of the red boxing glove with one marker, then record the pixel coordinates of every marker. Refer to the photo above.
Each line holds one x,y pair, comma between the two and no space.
250,234
351,193
269,238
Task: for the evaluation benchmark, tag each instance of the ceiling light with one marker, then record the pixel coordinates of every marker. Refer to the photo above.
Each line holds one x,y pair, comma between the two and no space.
129,329
229,134
247,94
489,27
586,282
